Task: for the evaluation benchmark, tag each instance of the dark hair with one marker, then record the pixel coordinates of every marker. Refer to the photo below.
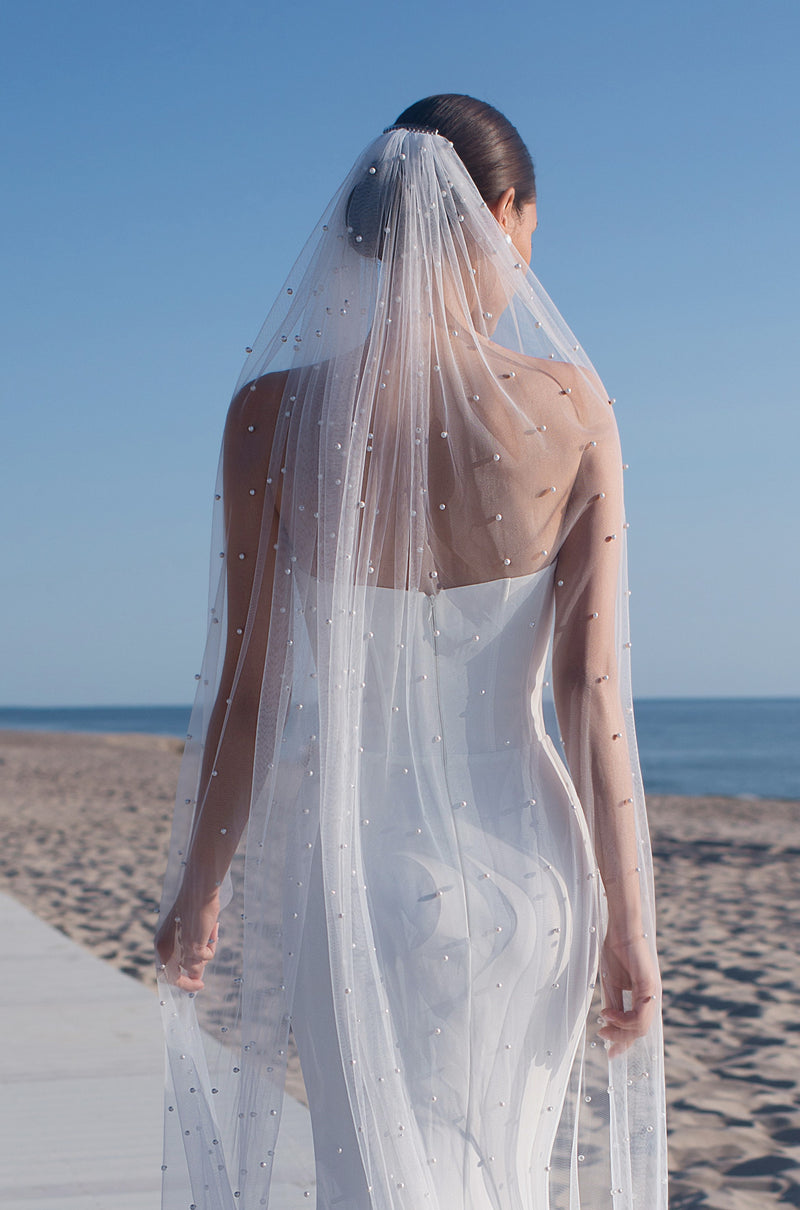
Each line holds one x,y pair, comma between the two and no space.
487,144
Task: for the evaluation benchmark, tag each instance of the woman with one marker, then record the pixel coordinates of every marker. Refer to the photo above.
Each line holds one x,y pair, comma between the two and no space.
376,839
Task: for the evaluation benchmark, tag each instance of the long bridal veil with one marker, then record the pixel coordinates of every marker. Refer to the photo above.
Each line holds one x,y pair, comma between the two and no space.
414,418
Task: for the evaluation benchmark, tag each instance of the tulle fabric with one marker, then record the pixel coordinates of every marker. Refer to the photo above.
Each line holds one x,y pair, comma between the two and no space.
415,421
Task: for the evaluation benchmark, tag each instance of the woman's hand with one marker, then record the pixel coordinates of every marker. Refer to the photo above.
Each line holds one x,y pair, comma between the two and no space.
627,964
187,939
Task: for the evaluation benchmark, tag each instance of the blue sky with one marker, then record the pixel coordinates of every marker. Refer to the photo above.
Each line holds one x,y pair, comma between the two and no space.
163,163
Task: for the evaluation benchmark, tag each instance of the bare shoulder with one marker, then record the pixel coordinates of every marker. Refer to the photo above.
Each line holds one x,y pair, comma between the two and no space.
569,389
251,422
256,404
582,391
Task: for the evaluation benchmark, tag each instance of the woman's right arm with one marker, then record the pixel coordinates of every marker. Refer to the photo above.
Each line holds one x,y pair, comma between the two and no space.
591,719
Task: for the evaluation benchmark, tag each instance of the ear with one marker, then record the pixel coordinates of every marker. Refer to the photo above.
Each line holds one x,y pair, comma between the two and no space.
503,208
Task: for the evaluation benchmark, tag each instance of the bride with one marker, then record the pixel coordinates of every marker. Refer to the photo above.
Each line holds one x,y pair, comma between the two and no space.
378,841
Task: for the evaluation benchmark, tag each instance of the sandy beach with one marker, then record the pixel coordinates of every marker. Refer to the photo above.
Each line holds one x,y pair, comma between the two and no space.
85,823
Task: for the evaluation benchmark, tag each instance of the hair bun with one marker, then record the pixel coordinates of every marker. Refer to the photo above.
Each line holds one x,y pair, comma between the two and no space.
366,209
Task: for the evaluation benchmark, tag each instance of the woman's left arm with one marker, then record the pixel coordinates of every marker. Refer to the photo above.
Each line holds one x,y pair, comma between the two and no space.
187,936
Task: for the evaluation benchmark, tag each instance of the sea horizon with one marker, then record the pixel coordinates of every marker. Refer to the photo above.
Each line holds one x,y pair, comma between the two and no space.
737,747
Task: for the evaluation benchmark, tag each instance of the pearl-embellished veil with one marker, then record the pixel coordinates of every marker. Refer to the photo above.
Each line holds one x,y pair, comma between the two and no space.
414,421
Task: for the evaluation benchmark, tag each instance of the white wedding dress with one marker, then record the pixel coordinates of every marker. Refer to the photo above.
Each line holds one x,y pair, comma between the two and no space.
488,989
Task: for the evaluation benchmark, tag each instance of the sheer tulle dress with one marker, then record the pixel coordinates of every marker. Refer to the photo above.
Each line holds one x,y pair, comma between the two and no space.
421,526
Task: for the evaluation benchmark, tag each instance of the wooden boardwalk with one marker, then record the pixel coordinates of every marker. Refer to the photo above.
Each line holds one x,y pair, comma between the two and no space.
81,1073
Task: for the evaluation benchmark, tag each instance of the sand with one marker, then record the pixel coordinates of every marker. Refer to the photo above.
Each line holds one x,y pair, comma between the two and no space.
85,823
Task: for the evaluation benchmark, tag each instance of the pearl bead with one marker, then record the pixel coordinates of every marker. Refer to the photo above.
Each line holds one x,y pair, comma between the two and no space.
495,457
498,516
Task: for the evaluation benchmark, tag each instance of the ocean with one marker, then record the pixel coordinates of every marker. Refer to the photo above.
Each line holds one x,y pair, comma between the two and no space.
736,747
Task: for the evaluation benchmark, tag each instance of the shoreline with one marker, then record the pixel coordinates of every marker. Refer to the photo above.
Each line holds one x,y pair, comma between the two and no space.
727,753
85,818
